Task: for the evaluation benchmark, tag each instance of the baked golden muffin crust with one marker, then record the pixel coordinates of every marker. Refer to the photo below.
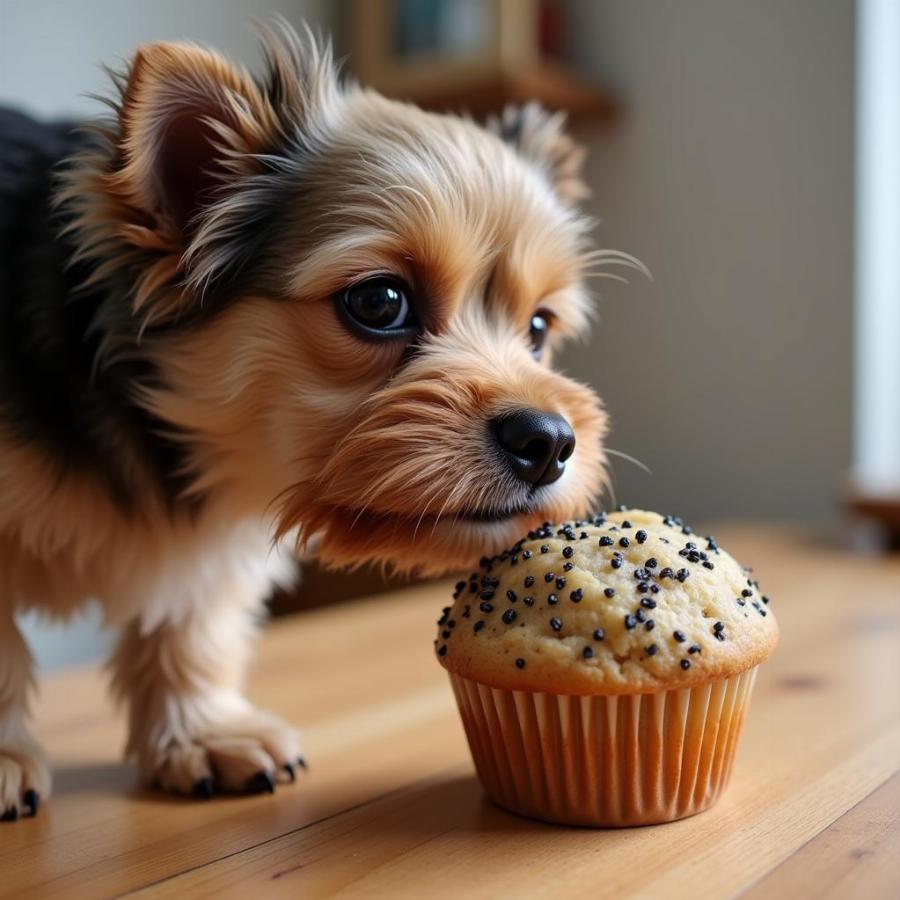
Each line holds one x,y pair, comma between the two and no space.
624,603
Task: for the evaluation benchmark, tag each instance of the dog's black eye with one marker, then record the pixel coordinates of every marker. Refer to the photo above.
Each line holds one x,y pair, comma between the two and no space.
378,308
537,332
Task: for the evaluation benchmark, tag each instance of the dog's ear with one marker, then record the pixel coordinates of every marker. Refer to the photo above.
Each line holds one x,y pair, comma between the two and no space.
189,121
541,138
204,154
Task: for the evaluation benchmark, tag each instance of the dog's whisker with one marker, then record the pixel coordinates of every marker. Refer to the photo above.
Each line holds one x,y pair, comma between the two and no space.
608,276
451,496
419,521
617,258
358,516
629,458
426,503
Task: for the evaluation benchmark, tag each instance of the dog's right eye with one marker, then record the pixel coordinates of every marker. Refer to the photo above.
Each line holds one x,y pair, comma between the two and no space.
378,308
537,331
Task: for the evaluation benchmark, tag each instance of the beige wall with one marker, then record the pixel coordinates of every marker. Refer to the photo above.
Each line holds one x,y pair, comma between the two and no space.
730,176
51,50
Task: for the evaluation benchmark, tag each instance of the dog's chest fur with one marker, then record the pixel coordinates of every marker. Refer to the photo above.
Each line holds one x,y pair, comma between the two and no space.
62,554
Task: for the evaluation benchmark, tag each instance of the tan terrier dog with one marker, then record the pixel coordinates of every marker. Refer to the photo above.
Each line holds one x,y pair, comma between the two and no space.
255,312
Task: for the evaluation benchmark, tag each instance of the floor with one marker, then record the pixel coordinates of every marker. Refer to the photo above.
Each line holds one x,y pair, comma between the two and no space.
391,807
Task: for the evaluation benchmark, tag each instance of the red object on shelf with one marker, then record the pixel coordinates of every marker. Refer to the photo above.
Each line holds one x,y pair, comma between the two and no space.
552,30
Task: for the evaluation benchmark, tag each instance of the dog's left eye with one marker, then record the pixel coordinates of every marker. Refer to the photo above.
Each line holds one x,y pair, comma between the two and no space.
378,308
537,332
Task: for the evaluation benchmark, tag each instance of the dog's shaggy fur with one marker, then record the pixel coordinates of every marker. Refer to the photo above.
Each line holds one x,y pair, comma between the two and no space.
180,397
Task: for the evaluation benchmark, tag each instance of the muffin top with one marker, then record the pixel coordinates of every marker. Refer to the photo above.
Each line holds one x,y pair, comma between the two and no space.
625,602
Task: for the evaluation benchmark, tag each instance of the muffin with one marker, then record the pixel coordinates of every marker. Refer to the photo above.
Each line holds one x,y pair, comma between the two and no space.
603,669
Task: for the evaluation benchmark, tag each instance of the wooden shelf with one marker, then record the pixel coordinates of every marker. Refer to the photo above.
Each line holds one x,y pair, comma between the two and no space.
481,93
516,59
883,509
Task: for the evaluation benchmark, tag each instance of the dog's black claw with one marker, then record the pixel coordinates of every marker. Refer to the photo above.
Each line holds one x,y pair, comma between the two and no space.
205,788
32,800
10,815
301,761
261,783
291,773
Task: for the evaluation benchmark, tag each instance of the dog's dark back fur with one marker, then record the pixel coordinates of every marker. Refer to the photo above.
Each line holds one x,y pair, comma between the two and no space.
52,392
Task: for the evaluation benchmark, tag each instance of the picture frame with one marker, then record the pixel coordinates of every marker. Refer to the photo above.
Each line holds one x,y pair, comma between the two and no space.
386,58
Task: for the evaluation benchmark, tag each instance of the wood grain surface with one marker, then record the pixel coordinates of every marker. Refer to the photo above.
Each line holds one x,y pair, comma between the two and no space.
391,808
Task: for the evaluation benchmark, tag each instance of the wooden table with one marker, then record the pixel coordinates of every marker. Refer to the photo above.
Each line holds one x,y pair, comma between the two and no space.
391,808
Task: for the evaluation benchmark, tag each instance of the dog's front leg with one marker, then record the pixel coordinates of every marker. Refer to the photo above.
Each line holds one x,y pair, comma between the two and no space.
191,730
24,776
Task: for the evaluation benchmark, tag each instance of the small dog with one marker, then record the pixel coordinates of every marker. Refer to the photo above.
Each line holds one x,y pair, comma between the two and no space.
246,313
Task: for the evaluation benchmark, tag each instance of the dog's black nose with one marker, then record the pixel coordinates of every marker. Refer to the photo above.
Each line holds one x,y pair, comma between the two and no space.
535,444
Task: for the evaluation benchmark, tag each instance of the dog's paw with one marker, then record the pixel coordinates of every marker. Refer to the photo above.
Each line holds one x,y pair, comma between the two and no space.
248,753
24,781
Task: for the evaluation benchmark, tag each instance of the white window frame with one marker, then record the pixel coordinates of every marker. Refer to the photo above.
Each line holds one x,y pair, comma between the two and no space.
876,444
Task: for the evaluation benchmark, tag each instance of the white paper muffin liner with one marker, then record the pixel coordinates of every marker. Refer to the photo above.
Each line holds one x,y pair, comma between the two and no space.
631,759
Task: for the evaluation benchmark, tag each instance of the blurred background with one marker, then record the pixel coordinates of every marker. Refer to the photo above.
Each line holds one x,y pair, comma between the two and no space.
746,150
